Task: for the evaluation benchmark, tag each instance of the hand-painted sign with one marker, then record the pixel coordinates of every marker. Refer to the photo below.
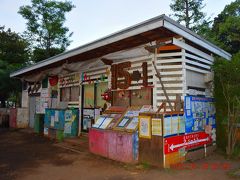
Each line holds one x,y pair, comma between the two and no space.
199,111
175,143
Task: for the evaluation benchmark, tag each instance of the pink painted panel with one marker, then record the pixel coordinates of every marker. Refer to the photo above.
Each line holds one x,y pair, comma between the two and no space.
120,146
112,145
98,142
13,118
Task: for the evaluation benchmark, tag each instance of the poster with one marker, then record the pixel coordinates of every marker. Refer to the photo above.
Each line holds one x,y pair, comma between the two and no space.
56,117
156,126
123,122
173,125
132,113
44,93
167,125
188,141
199,111
100,89
145,127
133,124
67,127
88,96
105,123
89,112
52,121
68,115
99,122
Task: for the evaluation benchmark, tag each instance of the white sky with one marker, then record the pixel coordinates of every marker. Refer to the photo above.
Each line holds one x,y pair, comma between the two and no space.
93,19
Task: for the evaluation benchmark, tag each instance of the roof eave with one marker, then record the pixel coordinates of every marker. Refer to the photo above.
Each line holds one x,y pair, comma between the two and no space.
157,22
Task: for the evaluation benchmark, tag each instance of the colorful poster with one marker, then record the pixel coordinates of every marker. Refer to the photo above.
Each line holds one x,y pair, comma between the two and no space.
188,141
145,127
68,115
156,126
199,111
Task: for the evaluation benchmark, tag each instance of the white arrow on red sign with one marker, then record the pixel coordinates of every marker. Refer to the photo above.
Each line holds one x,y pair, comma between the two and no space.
172,147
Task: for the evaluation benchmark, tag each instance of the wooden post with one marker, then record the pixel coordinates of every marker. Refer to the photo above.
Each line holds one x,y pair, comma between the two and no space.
160,79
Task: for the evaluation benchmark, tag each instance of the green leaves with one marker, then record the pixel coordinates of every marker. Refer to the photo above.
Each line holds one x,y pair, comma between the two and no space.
226,27
189,13
45,26
14,53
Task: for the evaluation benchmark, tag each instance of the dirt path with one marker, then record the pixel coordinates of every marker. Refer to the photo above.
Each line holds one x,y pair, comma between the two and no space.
27,156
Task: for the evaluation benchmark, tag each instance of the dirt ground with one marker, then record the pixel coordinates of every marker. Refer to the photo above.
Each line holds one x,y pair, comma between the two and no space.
26,156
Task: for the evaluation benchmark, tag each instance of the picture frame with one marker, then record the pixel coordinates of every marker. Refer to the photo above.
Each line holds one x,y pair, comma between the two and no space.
145,127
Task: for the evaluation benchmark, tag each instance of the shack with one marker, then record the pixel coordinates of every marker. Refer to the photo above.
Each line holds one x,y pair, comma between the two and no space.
148,88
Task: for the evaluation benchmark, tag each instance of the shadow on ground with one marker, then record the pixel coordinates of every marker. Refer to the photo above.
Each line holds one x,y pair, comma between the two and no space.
19,150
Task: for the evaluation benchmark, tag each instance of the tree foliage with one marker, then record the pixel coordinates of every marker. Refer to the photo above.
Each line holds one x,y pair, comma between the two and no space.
45,26
226,28
227,96
189,12
14,53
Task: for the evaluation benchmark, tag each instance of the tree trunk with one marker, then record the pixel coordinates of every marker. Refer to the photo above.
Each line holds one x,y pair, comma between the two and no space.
187,14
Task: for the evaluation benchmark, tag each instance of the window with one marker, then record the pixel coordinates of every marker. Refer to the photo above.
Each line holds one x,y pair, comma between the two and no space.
69,94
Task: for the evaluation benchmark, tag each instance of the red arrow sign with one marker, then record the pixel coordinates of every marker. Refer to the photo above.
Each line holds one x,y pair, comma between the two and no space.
188,141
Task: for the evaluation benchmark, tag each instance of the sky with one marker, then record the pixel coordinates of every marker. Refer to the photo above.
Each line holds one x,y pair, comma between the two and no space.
93,19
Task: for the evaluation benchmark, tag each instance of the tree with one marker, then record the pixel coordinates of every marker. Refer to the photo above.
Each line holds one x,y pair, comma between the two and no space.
45,27
227,96
226,28
14,53
189,13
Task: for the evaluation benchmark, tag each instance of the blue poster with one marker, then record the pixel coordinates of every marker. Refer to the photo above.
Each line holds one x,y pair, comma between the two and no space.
199,111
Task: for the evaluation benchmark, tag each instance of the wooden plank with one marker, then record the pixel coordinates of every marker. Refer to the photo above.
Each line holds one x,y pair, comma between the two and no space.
192,49
166,61
169,85
170,67
174,54
199,59
198,64
197,70
170,91
172,73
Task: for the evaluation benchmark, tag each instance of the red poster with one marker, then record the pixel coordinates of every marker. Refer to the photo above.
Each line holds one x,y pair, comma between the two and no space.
188,141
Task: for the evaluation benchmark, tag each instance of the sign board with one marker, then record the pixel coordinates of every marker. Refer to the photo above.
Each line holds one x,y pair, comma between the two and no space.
199,111
188,141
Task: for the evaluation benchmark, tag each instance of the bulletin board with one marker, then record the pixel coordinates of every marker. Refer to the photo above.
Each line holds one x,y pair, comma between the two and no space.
199,111
88,96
